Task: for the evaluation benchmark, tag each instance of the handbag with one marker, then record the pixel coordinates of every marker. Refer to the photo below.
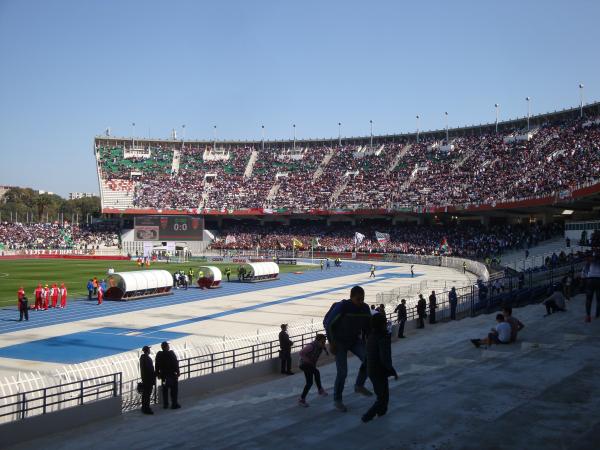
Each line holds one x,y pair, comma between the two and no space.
140,387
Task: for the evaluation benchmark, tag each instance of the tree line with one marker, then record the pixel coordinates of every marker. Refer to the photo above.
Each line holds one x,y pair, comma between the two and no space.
27,205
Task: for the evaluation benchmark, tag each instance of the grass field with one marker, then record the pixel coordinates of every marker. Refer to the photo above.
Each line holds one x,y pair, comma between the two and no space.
75,274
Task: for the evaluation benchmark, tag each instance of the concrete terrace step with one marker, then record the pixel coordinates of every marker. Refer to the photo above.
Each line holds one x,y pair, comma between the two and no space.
538,393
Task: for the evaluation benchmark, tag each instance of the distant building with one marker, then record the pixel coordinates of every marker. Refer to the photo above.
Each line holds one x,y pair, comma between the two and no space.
76,195
4,190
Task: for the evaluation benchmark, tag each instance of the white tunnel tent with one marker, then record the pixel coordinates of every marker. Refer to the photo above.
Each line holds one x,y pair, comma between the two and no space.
209,277
259,271
139,283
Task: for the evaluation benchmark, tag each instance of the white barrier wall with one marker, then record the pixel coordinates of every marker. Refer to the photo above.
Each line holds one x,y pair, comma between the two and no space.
474,267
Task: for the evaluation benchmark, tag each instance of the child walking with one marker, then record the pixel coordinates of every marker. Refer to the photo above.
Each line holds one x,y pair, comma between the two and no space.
309,356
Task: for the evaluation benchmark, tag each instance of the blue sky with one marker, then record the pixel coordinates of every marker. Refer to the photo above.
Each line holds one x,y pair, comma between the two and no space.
69,69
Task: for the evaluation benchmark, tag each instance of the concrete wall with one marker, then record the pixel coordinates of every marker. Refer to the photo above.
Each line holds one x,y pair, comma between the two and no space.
55,422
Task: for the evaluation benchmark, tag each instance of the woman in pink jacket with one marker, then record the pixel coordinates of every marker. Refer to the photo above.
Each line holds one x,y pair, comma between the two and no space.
309,355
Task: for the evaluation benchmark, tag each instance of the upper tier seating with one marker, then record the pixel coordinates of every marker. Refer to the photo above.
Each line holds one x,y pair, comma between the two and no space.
485,169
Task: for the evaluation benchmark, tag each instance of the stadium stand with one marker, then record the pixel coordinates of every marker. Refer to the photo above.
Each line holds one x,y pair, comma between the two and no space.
16,236
539,392
480,167
470,240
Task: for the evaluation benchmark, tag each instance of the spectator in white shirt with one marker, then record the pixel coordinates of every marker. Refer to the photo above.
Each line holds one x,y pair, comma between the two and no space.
498,335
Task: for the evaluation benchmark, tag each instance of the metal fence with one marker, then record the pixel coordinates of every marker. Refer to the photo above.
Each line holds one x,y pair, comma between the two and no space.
195,361
29,403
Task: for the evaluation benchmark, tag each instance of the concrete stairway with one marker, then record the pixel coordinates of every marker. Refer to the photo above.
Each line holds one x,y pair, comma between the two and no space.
323,164
118,199
250,165
339,189
540,392
273,191
398,157
176,161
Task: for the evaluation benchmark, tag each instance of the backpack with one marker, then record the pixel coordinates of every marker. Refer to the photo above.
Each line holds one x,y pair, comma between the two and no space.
329,316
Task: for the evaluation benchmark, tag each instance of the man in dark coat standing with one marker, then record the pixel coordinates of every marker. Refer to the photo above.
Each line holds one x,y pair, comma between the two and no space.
285,350
421,308
148,379
167,369
347,324
401,310
453,299
432,307
23,308
379,365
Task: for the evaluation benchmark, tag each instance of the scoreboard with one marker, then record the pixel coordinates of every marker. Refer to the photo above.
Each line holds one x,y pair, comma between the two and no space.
163,228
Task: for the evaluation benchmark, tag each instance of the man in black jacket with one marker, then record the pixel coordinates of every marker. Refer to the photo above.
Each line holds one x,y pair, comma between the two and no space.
421,308
453,299
348,323
167,369
379,365
432,307
401,310
285,350
148,379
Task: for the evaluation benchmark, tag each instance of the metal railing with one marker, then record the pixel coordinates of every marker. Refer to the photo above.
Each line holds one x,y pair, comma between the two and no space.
21,405
514,289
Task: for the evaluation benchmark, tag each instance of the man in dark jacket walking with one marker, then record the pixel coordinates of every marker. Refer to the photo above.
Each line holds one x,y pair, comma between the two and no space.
432,307
421,308
347,325
401,310
379,365
285,350
167,369
453,299
148,379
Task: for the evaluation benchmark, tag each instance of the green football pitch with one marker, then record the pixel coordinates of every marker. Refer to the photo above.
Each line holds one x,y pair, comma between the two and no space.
75,274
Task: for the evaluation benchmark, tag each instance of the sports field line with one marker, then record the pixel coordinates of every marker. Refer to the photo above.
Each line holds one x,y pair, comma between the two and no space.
89,310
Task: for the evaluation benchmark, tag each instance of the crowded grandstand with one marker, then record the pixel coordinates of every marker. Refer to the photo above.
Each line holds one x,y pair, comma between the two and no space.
555,156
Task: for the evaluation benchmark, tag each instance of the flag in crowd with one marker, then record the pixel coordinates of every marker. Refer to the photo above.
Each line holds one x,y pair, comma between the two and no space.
358,238
444,247
296,243
230,239
382,238
315,242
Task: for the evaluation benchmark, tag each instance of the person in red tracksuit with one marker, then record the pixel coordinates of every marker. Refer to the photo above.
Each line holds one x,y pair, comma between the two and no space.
46,297
100,294
63,295
38,297
54,292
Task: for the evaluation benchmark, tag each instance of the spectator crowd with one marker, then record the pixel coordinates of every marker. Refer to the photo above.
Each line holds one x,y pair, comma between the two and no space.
488,168
469,240
17,236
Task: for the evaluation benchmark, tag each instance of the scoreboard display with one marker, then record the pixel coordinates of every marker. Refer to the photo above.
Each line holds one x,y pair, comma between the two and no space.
164,228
